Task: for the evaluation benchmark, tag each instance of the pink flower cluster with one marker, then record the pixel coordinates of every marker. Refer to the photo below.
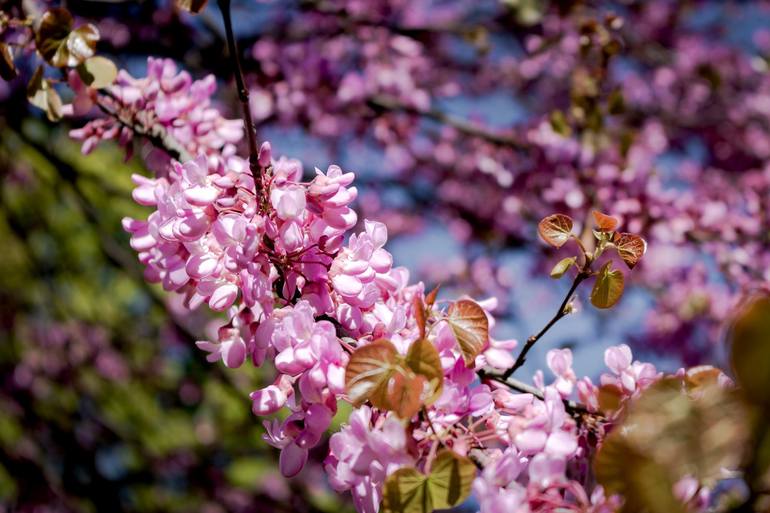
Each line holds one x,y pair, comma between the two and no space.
302,292
165,102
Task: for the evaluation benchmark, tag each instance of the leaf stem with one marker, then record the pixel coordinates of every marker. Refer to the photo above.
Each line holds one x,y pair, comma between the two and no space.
243,97
524,388
582,275
432,427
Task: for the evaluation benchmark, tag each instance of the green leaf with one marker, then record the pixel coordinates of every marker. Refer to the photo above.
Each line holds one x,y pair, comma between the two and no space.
644,484
406,491
616,104
562,267
192,6
423,359
449,484
608,287
559,124
97,72
750,351
7,67
42,95
555,229
470,327
668,433
631,248
450,479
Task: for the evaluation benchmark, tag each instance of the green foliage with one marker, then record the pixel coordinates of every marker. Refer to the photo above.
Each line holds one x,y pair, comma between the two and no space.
608,287
448,484
562,266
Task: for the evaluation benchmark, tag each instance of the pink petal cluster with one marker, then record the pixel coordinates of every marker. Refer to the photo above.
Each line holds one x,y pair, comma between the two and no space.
164,102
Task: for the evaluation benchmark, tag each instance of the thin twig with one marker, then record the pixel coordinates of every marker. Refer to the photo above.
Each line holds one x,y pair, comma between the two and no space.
243,97
581,276
432,427
156,134
461,125
519,386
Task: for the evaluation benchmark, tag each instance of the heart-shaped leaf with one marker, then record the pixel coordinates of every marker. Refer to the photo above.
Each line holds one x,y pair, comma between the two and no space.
470,326
377,373
449,484
562,267
407,491
679,434
450,479
647,488
7,67
604,222
630,248
423,359
555,229
98,72
608,287
369,372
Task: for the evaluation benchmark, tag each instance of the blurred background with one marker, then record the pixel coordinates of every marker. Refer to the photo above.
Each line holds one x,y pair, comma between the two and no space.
106,404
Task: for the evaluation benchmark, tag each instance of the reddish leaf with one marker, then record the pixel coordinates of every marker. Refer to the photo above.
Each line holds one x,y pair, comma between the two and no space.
470,326
403,395
555,229
378,374
701,376
430,299
630,248
604,222
419,314
51,37
610,398
59,44
424,360
369,371
608,287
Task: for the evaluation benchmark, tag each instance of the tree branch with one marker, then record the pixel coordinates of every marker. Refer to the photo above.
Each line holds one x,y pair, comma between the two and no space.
156,134
243,97
531,341
461,125
519,386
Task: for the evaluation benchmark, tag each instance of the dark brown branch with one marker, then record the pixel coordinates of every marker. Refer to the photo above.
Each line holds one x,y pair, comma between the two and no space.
156,134
243,96
531,341
461,125
519,386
